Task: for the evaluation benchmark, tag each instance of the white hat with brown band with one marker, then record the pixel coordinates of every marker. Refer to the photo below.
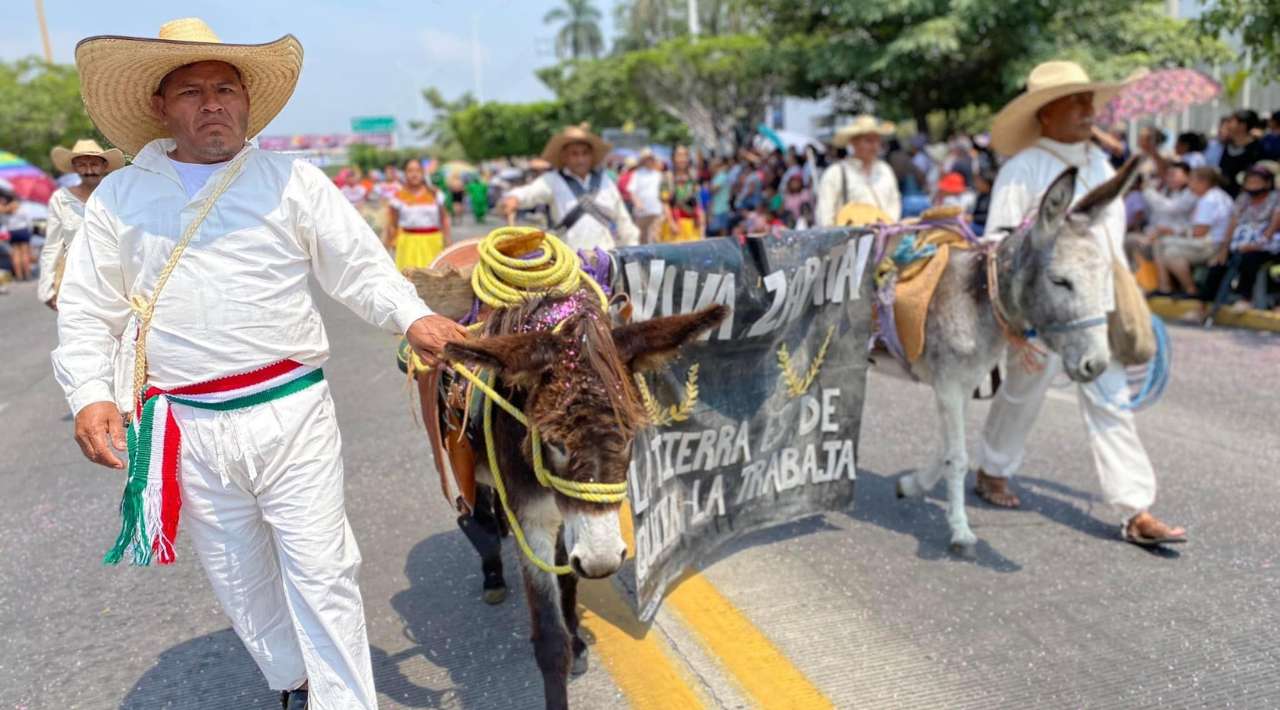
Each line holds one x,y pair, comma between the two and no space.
576,134
119,75
85,147
1017,127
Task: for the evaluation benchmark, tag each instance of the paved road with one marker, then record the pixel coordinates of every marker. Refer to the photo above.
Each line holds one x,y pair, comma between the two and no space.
868,608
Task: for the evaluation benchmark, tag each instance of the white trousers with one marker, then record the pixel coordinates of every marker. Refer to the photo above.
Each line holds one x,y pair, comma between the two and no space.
262,502
1124,470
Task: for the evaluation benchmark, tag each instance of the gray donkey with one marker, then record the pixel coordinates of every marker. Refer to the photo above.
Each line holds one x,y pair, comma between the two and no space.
1051,278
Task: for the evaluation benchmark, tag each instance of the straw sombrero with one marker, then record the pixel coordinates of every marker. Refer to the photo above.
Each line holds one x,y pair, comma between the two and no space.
861,125
118,76
62,157
576,134
1016,126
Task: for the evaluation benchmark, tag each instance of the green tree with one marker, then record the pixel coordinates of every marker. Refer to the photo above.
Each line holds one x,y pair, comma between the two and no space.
644,23
717,87
499,130
40,107
580,34
601,92
908,58
1258,25
438,131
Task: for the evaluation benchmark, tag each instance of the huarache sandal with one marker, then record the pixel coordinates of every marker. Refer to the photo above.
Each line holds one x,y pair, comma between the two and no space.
995,490
1145,530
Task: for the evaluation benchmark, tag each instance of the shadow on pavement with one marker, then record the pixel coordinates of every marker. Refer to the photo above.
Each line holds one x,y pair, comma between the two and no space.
877,503
213,671
484,649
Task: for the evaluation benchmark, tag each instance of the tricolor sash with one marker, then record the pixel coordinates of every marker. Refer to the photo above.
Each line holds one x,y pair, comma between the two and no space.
152,498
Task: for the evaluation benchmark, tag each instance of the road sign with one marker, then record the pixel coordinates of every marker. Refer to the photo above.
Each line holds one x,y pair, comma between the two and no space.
373,124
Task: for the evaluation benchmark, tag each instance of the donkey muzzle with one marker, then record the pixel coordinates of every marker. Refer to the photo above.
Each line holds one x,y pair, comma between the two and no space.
594,543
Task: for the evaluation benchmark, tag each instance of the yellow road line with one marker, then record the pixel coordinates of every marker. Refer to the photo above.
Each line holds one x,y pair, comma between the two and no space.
635,658
759,667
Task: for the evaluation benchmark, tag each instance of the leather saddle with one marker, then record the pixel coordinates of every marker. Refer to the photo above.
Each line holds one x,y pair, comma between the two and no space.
444,401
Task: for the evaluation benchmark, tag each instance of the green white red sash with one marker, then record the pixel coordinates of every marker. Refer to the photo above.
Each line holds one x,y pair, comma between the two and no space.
152,497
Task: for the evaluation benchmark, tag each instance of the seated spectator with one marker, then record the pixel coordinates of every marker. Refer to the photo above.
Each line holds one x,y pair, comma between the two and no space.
1271,141
1241,150
1253,243
1169,209
952,191
1135,207
1177,252
1189,148
795,196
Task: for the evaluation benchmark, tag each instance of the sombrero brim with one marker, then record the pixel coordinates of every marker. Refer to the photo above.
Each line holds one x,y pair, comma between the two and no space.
599,148
844,135
62,158
1016,127
118,76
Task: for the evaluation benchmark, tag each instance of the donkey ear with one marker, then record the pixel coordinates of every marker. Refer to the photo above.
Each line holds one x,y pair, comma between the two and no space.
1092,205
520,358
1053,209
651,344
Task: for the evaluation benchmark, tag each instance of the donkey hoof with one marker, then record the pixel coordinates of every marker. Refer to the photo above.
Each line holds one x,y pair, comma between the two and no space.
580,664
897,490
906,487
494,596
965,550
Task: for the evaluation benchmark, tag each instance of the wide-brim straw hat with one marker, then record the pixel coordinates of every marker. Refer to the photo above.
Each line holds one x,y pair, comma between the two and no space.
62,157
119,75
576,134
1017,127
861,125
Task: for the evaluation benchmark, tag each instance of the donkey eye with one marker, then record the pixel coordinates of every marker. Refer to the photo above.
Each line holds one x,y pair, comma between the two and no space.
1063,283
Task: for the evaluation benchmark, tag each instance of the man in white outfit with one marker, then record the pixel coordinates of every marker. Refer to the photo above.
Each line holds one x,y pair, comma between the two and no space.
862,177
1047,129
66,207
587,210
196,260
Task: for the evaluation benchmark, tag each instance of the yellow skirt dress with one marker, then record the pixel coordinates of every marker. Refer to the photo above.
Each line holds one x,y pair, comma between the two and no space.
417,249
688,231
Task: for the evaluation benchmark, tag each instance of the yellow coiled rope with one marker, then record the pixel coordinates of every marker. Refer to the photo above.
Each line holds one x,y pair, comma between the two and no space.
501,280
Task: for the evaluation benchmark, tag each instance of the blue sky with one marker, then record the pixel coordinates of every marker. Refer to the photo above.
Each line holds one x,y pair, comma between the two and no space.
363,57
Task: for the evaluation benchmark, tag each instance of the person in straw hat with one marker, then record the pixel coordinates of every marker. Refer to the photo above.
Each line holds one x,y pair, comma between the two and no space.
1047,129
195,261
587,210
862,176
66,208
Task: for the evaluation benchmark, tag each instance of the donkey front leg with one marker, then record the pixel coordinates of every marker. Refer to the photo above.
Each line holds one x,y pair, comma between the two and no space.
550,638
569,605
955,465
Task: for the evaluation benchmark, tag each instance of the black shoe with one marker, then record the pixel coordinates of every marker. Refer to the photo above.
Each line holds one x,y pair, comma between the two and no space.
294,699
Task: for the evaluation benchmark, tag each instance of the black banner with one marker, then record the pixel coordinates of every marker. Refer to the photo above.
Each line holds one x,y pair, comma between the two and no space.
758,424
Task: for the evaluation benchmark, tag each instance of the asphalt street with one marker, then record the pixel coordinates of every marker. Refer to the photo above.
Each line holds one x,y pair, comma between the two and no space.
867,604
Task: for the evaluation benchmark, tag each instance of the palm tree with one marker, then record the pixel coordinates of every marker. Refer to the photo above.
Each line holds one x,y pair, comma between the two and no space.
580,35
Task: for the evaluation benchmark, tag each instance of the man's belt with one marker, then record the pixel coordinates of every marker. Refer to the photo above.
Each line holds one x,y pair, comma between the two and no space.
420,230
152,496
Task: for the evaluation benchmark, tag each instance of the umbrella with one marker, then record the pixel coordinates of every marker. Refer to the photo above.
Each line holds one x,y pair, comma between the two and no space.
1160,93
782,140
27,181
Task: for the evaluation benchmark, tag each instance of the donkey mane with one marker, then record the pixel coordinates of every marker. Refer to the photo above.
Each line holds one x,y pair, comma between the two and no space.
583,340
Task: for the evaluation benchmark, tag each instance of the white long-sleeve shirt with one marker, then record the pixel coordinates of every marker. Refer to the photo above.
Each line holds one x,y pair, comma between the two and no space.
66,213
1170,210
1024,179
877,187
587,233
238,298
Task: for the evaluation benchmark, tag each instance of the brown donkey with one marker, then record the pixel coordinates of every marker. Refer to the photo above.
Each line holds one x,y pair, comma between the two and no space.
573,383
